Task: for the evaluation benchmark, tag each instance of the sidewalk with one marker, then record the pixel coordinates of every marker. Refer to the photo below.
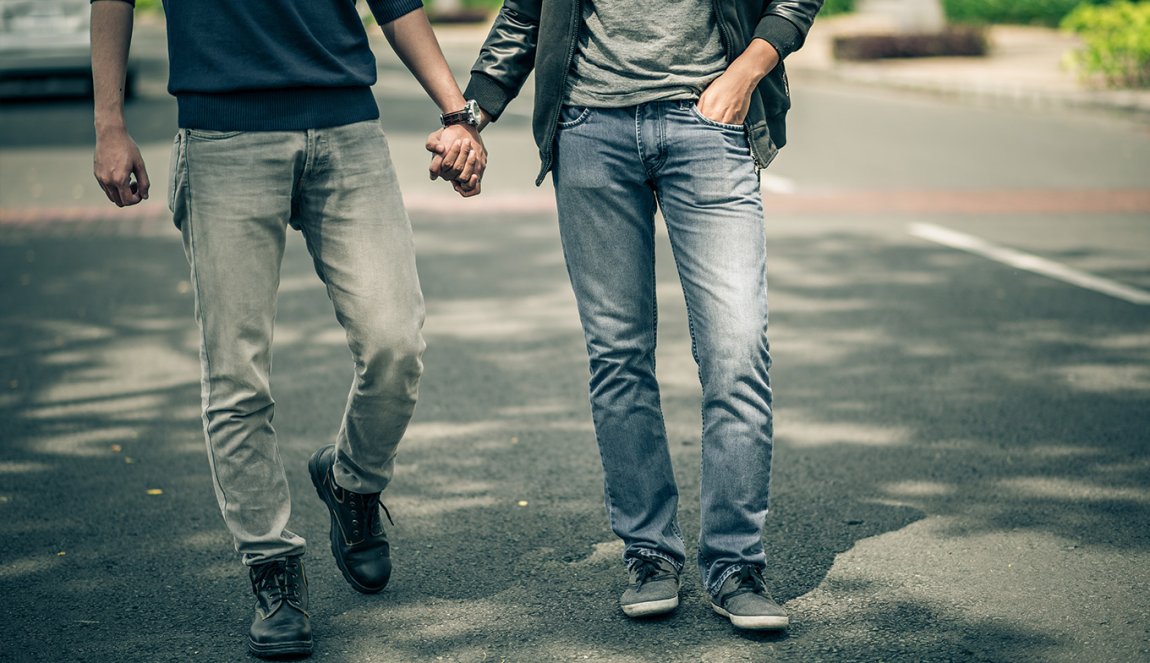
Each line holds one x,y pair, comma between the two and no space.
1026,66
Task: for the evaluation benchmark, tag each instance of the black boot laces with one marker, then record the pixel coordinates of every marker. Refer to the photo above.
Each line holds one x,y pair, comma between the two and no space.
364,509
646,570
279,582
748,581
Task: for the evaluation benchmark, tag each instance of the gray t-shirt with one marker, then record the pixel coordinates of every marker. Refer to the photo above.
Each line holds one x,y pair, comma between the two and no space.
637,51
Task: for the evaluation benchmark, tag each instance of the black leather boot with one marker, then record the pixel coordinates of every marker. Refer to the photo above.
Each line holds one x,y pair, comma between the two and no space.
358,540
281,628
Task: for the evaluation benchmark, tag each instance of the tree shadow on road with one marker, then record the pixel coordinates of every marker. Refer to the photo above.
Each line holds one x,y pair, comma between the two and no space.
908,393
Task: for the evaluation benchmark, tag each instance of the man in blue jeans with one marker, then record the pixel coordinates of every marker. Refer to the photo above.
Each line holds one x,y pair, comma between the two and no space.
669,104
279,127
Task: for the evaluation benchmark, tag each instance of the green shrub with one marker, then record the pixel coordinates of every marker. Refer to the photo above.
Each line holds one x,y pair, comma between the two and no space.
1117,42
831,7
1041,12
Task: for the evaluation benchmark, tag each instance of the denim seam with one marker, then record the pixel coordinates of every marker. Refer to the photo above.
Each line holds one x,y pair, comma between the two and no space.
730,571
174,179
660,156
609,499
694,345
314,247
209,135
207,382
308,159
654,346
654,308
639,145
655,314
648,553
683,287
733,128
581,119
660,138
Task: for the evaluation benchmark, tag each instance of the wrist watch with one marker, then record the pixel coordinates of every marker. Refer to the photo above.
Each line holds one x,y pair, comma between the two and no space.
469,115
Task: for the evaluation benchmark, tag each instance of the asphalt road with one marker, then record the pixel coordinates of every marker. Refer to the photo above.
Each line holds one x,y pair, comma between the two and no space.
961,469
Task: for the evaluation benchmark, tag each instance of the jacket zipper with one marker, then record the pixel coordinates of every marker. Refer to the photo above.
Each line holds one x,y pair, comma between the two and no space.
576,15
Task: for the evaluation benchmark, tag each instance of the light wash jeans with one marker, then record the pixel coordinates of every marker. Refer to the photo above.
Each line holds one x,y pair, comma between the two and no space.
233,195
613,167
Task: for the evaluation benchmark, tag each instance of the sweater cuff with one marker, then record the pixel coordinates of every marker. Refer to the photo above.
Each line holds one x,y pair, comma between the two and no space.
780,33
386,11
489,94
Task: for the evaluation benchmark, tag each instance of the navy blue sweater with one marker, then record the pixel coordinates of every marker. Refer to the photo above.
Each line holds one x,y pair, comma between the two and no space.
268,65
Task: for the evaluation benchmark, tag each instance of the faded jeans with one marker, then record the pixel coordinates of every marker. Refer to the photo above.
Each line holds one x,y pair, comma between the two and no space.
613,167
233,196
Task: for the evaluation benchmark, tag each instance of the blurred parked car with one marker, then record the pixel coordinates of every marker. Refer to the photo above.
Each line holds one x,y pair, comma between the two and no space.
45,48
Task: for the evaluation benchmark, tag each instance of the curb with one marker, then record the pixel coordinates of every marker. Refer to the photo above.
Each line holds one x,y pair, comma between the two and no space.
1131,102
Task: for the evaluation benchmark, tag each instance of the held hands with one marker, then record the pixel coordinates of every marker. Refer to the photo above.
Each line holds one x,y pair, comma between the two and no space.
458,156
119,168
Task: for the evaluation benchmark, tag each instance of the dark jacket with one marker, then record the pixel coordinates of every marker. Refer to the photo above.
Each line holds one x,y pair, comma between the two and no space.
542,35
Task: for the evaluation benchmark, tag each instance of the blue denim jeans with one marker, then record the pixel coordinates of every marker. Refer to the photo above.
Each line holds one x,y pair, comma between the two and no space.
233,195
613,167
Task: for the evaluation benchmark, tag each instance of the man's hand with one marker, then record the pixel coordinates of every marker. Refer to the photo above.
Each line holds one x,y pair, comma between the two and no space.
728,98
458,156
117,158
119,168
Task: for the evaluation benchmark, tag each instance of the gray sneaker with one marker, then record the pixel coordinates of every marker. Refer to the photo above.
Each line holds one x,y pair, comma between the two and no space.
744,600
653,589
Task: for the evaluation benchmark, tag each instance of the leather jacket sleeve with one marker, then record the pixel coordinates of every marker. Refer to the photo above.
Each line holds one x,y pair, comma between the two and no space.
784,23
507,56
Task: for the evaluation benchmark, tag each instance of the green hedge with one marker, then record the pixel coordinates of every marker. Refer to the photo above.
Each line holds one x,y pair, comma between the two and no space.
831,7
1117,42
1037,12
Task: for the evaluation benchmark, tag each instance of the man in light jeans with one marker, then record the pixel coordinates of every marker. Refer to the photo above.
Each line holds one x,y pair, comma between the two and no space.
675,105
279,128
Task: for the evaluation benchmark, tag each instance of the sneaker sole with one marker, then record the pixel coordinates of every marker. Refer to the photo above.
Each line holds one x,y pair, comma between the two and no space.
333,531
281,649
649,608
755,622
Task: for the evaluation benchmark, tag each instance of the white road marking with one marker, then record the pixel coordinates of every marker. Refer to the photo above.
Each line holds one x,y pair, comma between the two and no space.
1028,262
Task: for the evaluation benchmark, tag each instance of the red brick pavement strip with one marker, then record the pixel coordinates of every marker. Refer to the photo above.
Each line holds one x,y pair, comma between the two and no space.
154,220
87,221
